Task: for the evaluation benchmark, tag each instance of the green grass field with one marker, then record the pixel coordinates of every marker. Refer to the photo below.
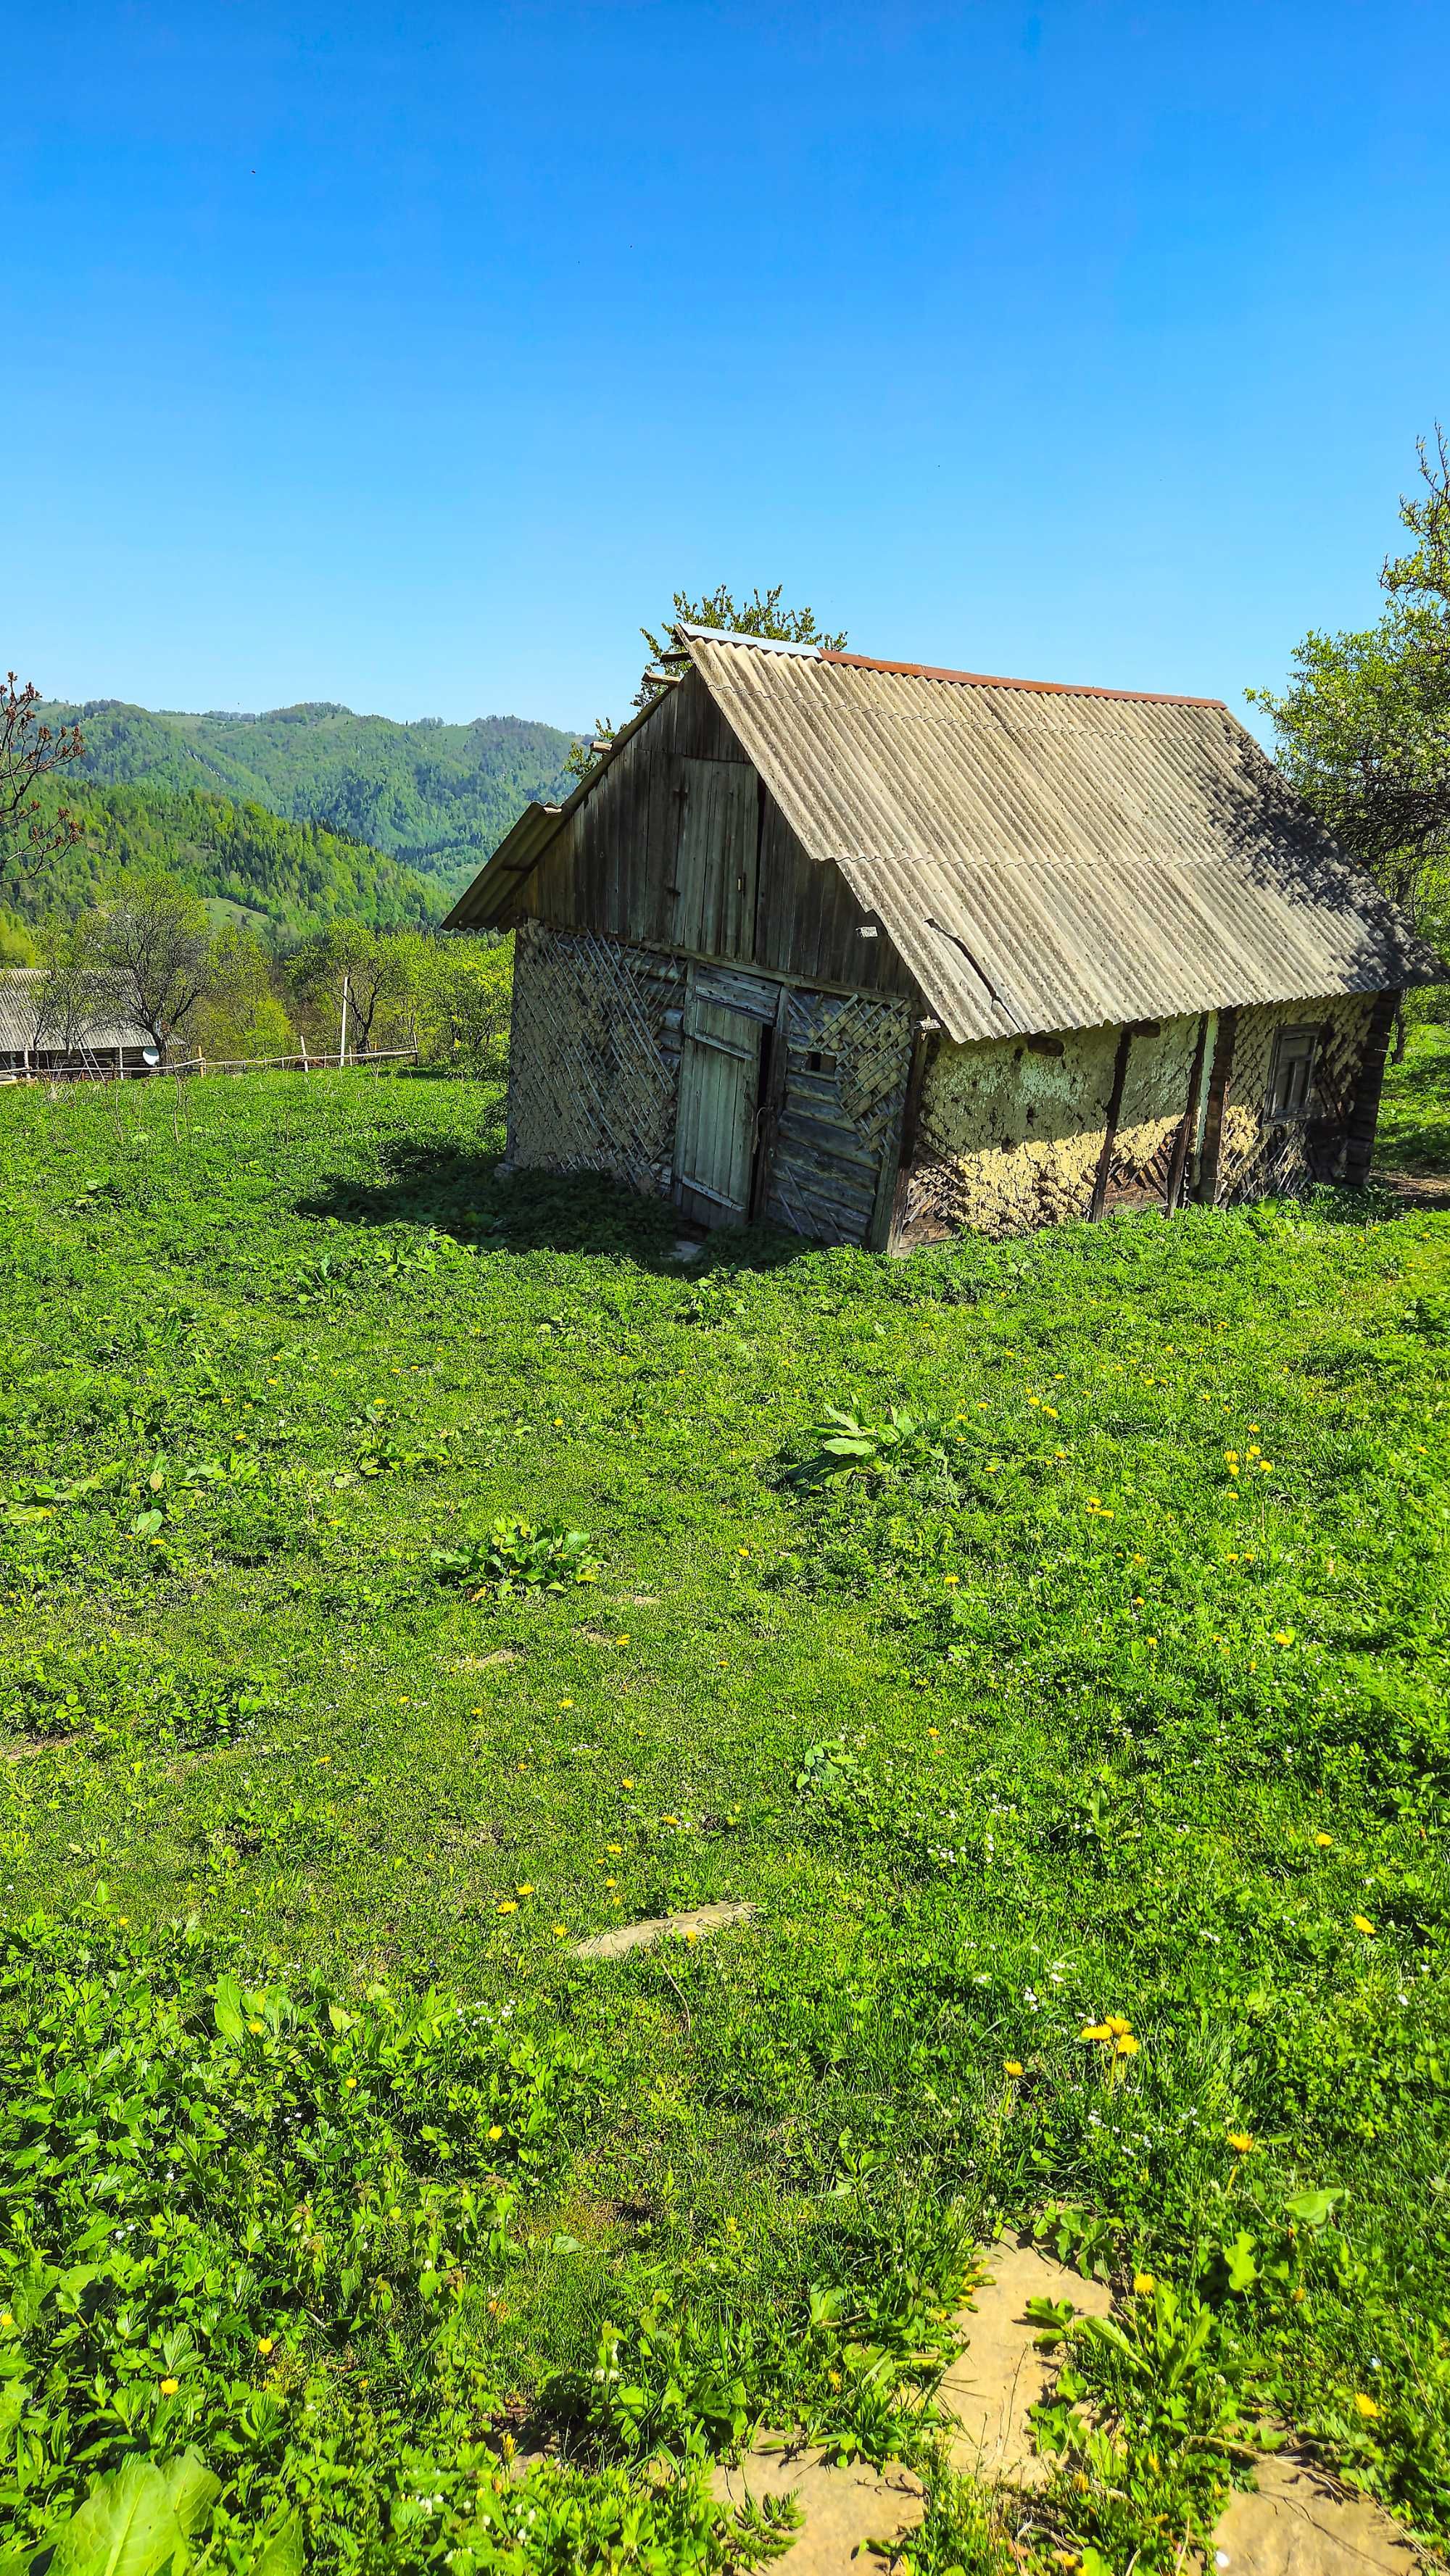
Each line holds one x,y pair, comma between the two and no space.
1104,1674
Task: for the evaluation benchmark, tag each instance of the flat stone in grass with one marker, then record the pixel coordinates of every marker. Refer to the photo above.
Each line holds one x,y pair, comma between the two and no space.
999,2374
677,1927
1301,2523
844,2510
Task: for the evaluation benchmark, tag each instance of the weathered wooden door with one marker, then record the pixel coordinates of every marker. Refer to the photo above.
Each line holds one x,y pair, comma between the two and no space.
713,890
725,1018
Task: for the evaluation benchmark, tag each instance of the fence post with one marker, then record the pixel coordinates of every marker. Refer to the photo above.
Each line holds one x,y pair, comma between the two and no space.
342,1041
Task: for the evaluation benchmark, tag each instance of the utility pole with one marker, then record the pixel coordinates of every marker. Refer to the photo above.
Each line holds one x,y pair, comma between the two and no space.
342,1041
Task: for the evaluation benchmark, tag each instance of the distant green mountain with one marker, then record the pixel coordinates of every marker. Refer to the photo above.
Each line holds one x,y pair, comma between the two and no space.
436,796
250,863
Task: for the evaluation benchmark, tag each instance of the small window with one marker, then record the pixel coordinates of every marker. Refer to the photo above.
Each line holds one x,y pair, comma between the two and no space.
1293,1073
821,1060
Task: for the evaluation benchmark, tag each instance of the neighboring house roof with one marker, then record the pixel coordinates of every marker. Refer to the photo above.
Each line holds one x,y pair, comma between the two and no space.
22,991
1042,856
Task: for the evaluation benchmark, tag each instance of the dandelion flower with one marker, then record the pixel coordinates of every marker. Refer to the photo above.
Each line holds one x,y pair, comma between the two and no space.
507,1906
559,1931
1144,2283
1125,2045
495,2132
265,2343
1283,1636
1363,1924
1010,2066
169,2387
1241,2142
1095,2030
526,1889
1365,2406
1325,1842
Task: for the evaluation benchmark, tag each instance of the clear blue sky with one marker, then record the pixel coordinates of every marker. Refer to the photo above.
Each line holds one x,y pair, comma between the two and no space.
412,356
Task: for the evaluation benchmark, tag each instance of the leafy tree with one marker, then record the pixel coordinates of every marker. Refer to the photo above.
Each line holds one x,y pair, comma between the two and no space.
31,831
1363,729
463,995
242,1014
376,972
148,949
728,615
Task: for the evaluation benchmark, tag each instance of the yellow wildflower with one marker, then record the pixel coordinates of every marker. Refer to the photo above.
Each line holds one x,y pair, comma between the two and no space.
1362,1924
1010,2066
1125,2045
507,1906
1365,2406
495,2132
169,2387
1325,1841
265,2343
1144,2283
1095,2030
1241,2142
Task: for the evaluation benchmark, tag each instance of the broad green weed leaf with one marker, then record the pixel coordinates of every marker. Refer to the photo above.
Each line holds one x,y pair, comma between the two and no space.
130,2525
229,2016
1311,2208
283,2553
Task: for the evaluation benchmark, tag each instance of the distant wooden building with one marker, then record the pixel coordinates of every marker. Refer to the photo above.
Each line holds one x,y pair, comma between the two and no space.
65,1036
875,952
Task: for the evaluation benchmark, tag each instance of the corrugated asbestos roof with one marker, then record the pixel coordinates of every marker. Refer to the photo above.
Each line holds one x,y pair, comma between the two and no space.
1042,856
21,996
1046,857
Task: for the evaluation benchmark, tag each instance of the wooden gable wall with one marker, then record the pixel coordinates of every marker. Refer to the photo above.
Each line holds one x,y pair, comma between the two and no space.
680,846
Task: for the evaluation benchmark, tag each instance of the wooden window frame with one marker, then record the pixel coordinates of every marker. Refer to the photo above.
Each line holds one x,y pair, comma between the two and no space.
1295,1044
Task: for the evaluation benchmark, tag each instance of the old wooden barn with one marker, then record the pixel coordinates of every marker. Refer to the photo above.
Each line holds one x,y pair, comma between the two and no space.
875,951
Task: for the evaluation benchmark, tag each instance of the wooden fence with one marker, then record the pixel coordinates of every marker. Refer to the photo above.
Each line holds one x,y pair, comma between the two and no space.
200,1065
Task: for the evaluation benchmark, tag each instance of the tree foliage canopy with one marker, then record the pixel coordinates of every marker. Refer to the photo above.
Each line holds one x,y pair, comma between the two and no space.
1363,728
761,614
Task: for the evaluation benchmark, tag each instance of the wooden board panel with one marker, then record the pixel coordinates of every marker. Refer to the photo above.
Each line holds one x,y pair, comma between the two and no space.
842,1094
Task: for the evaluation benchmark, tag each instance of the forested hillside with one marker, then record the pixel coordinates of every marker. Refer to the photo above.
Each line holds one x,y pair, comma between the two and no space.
286,878
437,796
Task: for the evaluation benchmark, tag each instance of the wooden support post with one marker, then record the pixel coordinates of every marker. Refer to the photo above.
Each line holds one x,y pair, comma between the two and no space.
1178,1161
1364,1115
771,1103
924,1047
342,1041
1110,1127
1218,1089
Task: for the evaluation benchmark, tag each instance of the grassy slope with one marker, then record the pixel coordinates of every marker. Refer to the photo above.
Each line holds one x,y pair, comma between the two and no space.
1129,1734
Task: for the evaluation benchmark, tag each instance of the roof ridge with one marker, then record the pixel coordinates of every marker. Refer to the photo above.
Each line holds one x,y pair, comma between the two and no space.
995,680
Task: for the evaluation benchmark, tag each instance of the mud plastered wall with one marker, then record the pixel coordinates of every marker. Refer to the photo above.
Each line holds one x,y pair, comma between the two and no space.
594,1057
1262,1156
1010,1137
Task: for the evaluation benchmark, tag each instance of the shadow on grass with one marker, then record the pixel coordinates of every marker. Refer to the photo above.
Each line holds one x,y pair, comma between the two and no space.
458,1191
